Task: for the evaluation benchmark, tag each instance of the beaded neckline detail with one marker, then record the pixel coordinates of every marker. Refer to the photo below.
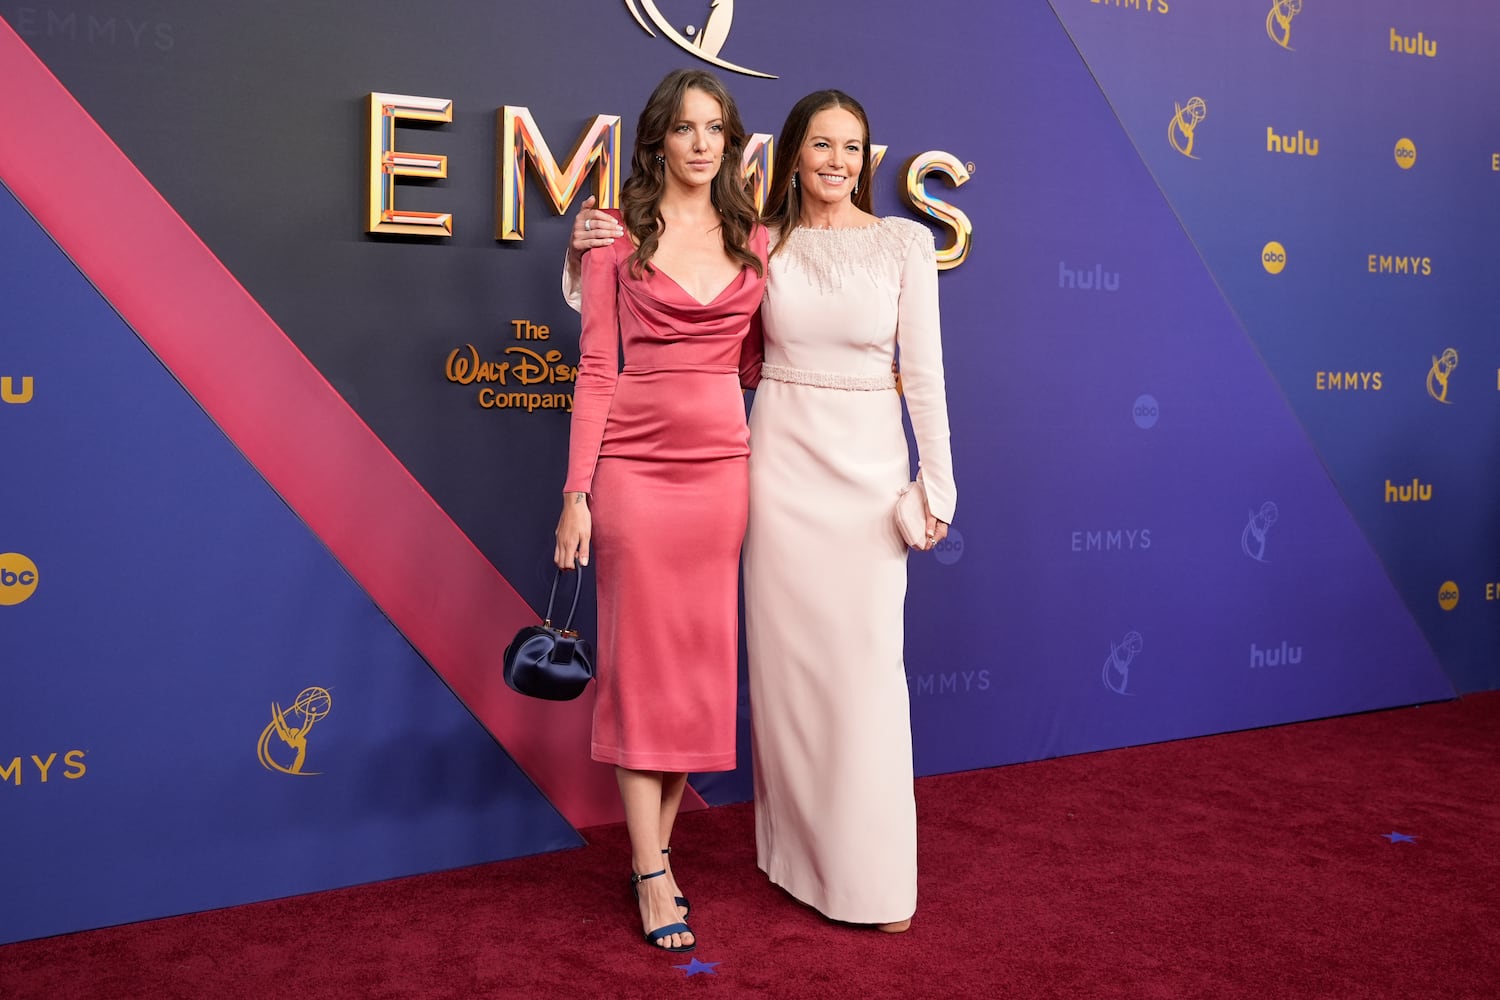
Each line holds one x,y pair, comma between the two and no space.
827,256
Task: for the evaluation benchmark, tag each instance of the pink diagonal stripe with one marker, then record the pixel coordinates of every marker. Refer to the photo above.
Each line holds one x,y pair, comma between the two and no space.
329,467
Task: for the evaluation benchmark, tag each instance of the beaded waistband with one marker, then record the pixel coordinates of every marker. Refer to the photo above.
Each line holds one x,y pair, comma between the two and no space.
828,380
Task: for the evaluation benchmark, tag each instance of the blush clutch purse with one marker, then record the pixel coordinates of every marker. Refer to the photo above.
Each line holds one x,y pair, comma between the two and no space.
911,513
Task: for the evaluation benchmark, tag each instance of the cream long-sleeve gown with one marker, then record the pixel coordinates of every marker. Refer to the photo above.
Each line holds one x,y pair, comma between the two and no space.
825,569
824,565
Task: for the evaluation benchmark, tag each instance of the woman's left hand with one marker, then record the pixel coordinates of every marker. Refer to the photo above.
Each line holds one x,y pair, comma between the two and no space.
936,532
592,228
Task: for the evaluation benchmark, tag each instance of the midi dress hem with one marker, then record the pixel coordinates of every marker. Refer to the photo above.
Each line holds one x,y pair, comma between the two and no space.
673,762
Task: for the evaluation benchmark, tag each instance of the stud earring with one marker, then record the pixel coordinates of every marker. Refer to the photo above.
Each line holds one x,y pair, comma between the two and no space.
660,158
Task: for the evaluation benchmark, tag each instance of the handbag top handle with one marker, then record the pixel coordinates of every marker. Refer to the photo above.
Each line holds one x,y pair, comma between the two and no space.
577,589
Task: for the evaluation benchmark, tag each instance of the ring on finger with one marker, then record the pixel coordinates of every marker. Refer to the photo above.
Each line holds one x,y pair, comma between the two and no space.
588,224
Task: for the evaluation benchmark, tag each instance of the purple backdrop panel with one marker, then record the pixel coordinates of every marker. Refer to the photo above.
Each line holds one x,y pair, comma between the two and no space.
1148,545
1344,202
178,604
1123,444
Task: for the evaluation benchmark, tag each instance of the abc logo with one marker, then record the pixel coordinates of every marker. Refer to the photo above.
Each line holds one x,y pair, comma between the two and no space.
1406,154
1273,257
951,549
17,578
1448,596
1145,411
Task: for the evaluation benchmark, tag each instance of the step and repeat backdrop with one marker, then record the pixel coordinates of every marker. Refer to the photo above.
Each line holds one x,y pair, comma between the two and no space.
286,374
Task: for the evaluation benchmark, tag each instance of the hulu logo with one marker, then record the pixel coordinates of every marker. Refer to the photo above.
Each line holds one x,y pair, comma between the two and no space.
1417,491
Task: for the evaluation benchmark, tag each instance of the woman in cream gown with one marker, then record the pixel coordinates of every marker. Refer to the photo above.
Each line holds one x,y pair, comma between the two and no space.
824,564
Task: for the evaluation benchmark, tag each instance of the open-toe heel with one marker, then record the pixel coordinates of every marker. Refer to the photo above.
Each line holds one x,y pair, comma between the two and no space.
681,901
652,937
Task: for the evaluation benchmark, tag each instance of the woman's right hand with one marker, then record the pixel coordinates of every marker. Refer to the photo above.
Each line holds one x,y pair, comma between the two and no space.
592,227
574,529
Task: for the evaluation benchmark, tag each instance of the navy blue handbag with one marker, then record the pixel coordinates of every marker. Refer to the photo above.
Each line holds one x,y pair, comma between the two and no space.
545,661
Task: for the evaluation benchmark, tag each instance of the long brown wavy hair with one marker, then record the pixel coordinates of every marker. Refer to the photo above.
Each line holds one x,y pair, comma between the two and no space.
640,196
784,202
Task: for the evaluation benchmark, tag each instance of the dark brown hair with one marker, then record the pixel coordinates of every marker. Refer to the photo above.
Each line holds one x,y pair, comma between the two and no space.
784,202
640,197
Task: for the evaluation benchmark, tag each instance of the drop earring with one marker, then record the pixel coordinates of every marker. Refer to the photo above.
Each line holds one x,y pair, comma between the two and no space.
794,182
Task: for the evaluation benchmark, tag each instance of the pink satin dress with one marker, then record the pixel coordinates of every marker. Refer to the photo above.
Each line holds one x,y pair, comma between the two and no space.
661,446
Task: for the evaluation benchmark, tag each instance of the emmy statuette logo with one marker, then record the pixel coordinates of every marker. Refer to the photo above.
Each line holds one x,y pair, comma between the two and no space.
1437,375
290,727
1253,538
1279,22
1117,664
1185,120
704,42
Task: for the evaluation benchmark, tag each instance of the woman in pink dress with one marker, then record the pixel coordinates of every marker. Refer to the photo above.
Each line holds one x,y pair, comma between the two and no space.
657,480
825,567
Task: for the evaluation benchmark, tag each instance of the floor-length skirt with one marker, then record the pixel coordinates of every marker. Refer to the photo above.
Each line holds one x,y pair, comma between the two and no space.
825,585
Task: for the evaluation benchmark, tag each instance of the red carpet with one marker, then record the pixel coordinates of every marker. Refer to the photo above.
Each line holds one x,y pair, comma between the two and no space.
1248,865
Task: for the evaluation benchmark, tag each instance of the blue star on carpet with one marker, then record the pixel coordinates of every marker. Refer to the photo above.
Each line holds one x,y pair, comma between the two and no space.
1399,838
694,967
